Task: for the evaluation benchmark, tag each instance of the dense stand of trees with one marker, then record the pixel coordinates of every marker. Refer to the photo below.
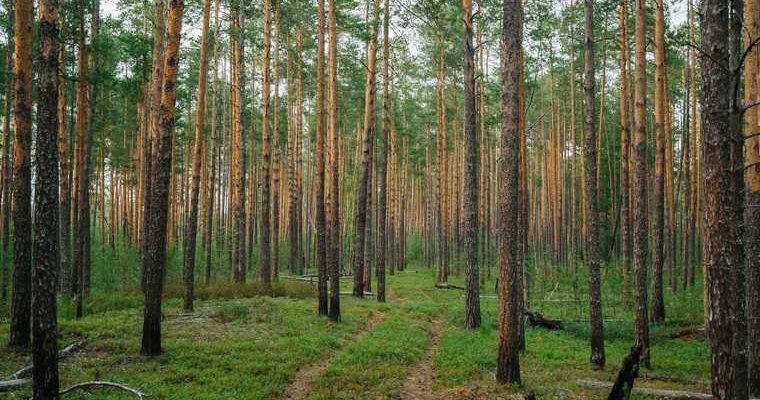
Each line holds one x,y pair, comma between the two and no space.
480,153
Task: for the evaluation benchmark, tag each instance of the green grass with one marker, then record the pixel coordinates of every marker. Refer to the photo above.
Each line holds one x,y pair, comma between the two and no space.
243,344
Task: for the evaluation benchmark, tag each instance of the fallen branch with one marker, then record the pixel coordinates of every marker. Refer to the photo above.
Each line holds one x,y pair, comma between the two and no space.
66,351
448,286
537,319
13,384
670,394
352,293
102,384
628,373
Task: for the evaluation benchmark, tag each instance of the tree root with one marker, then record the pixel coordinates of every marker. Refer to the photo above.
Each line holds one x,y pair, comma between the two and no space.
103,384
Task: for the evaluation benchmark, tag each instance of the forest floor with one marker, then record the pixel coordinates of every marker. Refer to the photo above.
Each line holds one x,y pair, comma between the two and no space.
412,347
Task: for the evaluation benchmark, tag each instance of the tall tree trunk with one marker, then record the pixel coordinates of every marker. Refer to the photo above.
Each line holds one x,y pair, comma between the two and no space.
211,188
382,168
332,206
154,258
640,217
156,80
592,219
45,272
660,108
237,169
441,188
200,122
64,203
321,223
752,209
368,138
21,300
625,134
266,240
7,186
508,362
472,292
722,248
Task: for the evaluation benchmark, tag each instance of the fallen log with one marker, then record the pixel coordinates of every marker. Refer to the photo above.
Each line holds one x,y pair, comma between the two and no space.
352,293
448,286
13,384
665,393
537,319
621,390
102,384
27,371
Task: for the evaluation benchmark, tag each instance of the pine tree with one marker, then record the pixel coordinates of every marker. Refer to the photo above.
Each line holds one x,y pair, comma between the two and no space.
45,272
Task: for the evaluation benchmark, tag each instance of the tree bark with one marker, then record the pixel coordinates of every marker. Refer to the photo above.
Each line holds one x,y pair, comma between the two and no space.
266,240
625,190
640,216
660,108
45,272
7,156
200,119
157,74
382,168
752,209
592,219
154,258
22,178
368,138
321,223
472,294
722,246
508,362
332,200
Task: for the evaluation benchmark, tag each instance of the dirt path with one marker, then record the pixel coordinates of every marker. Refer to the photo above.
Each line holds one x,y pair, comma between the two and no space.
302,383
419,384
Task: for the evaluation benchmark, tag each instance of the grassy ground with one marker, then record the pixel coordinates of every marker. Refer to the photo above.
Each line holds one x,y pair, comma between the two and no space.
240,345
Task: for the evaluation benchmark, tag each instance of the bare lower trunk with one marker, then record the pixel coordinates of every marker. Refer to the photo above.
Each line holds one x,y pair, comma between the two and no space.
21,299
508,362
640,231
472,294
592,218
154,258
45,273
